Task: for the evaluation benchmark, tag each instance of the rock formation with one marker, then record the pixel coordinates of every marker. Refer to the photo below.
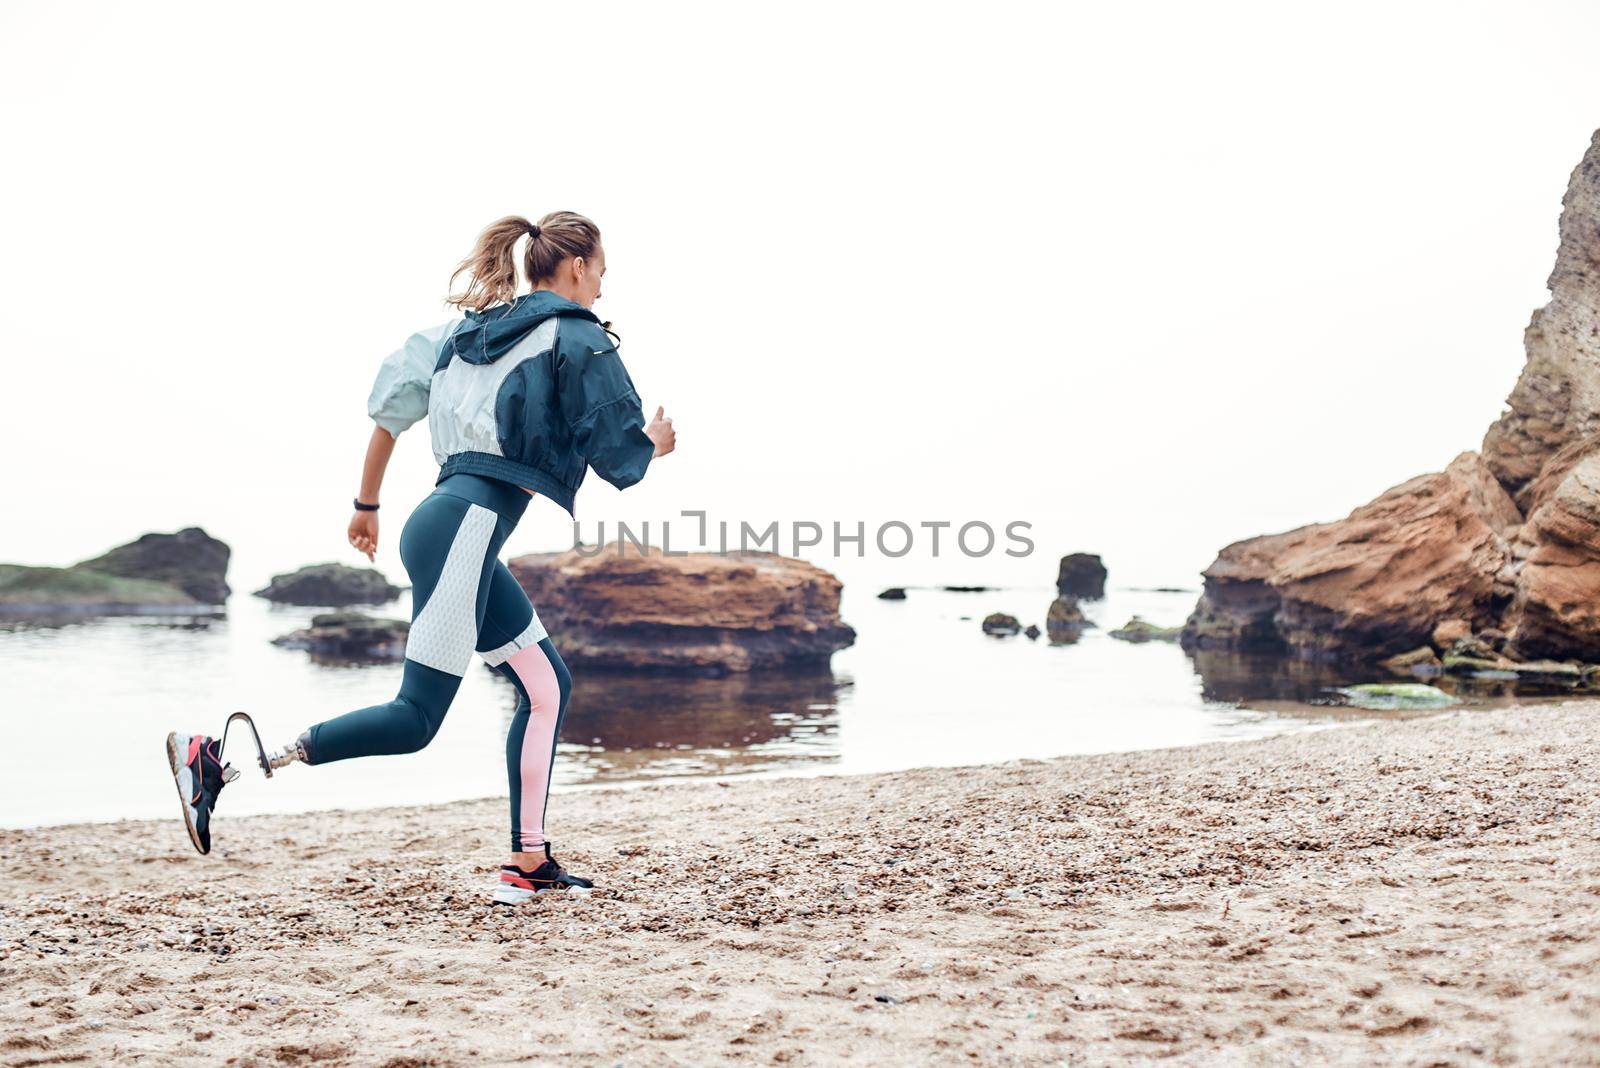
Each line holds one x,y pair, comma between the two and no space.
1557,398
1432,548
1081,575
330,584
182,573
47,592
621,607
1556,611
191,560
1064,621
1504,544
350,636
1138,629
1001,625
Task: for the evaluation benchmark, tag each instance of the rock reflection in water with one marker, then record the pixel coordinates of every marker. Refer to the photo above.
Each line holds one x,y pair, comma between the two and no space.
1295,685
626,726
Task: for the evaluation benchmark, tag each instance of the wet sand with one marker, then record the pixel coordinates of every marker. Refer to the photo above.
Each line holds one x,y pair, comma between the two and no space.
1417,892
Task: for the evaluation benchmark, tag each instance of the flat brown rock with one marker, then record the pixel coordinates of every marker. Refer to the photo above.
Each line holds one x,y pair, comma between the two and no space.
1430,549
699,613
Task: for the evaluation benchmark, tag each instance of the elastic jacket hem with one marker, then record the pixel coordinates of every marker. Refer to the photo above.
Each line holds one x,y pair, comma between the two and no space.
518,474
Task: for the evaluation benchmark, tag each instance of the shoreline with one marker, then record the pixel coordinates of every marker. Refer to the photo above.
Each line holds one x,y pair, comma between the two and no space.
1298,719
1414,888
1296,724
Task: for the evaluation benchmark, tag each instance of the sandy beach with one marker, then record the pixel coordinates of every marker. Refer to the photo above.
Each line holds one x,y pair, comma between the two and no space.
1419,892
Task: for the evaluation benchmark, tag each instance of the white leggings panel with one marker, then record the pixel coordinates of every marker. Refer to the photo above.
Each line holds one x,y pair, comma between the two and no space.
445,632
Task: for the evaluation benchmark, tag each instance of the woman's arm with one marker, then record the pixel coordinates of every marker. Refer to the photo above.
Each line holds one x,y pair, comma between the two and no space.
399,399
363,533
603,410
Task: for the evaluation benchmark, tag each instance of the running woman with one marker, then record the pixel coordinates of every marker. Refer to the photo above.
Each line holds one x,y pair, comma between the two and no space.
523,394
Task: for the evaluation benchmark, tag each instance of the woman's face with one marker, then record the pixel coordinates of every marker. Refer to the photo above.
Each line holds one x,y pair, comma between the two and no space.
588,286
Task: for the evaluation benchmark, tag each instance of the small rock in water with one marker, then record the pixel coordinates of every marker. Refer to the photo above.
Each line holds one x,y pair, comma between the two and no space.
350,635
331,585
1138,629
1419,663
1081,575
1001,624
1065,621
1555,672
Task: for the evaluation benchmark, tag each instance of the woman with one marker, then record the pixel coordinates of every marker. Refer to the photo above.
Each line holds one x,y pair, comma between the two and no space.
523,395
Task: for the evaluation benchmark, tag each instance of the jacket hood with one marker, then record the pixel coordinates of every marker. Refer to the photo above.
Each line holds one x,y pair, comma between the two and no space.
487,335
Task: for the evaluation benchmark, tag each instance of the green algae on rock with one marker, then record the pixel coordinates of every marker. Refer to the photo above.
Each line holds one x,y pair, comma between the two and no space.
1139,629
77,591
1396,696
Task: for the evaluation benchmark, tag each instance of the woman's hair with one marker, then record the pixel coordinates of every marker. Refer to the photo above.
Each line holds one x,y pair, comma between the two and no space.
491,269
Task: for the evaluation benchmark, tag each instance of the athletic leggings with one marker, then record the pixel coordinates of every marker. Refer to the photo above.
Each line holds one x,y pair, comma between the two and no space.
463,599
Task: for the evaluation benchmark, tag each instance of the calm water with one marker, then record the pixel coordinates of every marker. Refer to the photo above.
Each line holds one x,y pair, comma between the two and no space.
86,707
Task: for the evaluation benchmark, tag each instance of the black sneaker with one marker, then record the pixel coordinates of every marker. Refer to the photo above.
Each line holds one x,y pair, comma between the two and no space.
200,775
518,885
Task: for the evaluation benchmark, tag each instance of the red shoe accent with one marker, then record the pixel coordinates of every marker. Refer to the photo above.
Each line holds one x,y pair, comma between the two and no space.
516,880
194,749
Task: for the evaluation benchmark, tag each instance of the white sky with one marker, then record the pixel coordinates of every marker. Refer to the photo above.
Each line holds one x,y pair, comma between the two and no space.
1152,277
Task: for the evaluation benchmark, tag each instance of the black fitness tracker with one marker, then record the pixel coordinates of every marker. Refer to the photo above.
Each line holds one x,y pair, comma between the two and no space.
364,507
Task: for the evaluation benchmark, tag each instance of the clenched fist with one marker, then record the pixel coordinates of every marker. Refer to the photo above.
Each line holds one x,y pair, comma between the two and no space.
660,431
363,533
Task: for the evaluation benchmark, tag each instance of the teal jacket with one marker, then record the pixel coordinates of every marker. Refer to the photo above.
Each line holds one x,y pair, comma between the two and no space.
532,392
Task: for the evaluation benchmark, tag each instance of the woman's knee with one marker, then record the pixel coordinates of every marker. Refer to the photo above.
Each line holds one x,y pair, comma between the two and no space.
414,726
559,668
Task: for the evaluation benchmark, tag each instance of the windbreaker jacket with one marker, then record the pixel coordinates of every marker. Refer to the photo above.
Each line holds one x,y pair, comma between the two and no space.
532,392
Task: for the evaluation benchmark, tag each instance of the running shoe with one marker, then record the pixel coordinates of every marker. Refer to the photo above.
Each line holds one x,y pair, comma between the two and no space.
518,885
200,775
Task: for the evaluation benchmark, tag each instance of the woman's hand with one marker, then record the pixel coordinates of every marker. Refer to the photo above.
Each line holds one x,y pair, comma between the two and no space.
660,431
363,533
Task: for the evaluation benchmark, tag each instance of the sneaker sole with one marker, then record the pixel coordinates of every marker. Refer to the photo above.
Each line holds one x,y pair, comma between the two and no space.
514,895
183,779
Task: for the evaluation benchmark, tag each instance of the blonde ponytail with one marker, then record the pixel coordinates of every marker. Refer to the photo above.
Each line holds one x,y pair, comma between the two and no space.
491,268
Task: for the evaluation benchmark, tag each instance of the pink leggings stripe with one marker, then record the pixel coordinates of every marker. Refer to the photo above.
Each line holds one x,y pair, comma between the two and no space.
538,678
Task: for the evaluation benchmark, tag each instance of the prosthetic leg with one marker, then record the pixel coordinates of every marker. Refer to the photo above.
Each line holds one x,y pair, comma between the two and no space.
200,774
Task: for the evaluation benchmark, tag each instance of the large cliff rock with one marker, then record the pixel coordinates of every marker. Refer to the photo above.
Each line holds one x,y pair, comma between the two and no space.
1506,544
1556,612
626,608
1557,398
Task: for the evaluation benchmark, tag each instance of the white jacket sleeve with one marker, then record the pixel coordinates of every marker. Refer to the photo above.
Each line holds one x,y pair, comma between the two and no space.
400,392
